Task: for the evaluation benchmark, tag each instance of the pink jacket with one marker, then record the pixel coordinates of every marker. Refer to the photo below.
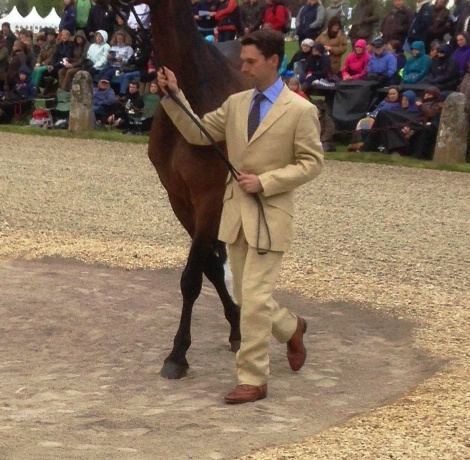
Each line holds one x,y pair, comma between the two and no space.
355,65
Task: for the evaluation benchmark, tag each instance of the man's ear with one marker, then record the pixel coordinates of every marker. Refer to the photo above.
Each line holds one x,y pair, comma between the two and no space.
274,59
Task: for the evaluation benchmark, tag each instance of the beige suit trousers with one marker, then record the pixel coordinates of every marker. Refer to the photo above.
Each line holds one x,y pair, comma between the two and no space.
254,277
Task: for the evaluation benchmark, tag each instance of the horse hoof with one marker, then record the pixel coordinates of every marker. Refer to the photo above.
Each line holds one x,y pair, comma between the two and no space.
173,371
235,345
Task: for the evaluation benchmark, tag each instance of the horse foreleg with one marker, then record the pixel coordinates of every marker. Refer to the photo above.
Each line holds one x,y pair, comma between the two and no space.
214,270
176,365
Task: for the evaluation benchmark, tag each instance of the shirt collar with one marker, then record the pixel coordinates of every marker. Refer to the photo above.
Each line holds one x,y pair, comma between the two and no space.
273,92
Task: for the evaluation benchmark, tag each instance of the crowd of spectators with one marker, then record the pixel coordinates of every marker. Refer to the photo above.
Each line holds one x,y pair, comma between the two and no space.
94,38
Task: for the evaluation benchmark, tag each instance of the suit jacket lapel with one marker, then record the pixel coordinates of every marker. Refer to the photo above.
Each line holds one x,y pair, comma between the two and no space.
277,110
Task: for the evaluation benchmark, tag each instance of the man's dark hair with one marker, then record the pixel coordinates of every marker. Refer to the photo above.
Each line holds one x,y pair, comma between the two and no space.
268,41
134,83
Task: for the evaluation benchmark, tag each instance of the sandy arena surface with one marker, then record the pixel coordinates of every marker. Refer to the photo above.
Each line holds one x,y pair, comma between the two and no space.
394,240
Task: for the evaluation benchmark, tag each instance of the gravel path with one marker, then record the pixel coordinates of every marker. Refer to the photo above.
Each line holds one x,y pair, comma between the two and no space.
394,239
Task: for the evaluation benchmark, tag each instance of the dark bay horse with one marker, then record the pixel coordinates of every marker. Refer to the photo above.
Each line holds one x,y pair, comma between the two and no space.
193,176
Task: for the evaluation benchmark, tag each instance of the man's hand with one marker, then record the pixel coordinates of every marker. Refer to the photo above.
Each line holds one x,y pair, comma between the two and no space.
249,183
167,81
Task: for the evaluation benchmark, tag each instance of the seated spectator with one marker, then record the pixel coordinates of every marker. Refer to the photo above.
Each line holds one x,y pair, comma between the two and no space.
390,102
137,65
103,101
131,105
101,17
17,59
75,63
294,85
62,54
118,55
355,64
385,133
433,47
421,134
299,60
464,87
462,54
417,66
396,49
40,41
4,56
335,43
45,57
441,23
317,66
444,72
22,92
151,101
309,20
98,52
8,35
120,26
382,65
251,16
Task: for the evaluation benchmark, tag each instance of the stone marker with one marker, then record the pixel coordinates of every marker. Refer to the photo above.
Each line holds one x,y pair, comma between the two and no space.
81,117
451,143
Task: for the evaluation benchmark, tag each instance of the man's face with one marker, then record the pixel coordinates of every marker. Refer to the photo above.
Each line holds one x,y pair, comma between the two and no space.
398,4
5,30
255,65
133,89
378,51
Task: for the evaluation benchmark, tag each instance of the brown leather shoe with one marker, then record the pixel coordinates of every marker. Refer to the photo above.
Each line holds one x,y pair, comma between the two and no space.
246,393
296,352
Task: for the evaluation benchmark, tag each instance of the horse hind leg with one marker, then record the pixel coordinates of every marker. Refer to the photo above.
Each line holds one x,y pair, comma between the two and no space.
215,272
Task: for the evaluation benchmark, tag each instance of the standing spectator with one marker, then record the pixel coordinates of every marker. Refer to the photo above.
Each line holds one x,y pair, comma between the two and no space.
75,63
327,127
444,73
462,54
382,65
355,64
440,23
82,12
69,17
4,55
251,16
143,13
101,17
417,66
275,15
309,21
395,25
335,43
9,36
421,24
365,17
205,21
227,17
461,16
98,52
337,9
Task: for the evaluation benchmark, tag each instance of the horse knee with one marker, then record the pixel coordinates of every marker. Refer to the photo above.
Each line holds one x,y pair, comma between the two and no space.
191,284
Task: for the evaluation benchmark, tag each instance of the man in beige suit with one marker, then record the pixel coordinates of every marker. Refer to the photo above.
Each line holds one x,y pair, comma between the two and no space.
283,153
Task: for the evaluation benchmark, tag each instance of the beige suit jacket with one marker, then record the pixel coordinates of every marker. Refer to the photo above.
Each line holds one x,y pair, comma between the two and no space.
285,152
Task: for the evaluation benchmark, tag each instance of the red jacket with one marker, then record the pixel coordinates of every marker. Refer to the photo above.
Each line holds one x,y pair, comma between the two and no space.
275,16
225,17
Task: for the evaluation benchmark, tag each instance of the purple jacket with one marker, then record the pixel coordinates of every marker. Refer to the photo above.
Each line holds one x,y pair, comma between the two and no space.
461,57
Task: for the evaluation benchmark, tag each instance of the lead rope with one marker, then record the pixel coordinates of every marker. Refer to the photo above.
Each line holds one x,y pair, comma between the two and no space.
233,172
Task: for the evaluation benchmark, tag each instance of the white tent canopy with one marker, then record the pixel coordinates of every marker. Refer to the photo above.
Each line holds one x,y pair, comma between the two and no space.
33,21
52,19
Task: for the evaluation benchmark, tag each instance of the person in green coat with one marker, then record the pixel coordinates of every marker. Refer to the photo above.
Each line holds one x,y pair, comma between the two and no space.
83,9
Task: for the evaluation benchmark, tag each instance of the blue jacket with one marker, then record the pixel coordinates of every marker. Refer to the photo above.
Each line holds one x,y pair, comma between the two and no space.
69,19
103,97
385,64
